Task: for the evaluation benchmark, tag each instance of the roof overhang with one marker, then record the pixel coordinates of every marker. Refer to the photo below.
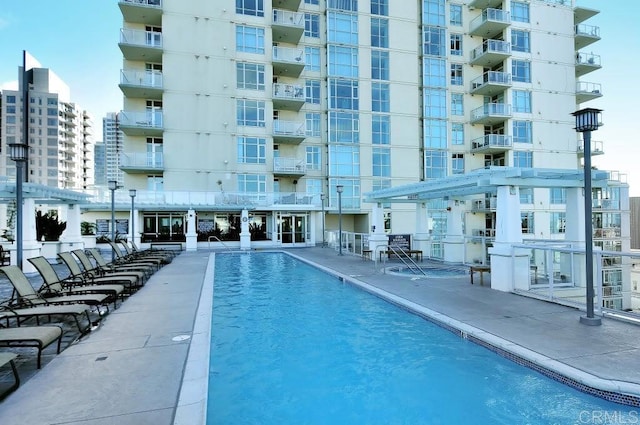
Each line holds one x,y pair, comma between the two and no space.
42,194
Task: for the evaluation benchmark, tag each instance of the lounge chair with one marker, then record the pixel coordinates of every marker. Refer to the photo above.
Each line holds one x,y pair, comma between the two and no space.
75,311
90,294
28,297
86,278
165,254
9,358
148,269
39,337
101,271
130,256
122,258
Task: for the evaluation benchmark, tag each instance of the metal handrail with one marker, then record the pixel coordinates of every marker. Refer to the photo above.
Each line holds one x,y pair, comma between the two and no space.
218,239
404,256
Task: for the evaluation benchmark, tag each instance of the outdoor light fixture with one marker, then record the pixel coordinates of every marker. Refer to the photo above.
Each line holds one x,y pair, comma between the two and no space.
339,189
322,201
113,185
132,193
18,153
588,120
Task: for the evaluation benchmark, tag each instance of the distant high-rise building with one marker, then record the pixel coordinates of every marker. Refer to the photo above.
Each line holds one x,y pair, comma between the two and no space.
112,138
100,164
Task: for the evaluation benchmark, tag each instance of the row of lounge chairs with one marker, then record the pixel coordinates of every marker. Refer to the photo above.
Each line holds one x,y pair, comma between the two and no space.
92,287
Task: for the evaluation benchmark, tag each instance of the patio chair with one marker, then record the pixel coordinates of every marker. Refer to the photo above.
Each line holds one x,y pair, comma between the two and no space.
130,283
39,337
75,311
9,358
147,269
100,271
167,254
28,297
129,254
122,258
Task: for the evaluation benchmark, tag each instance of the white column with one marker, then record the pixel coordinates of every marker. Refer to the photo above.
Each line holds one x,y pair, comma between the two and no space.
192,235
422,237
71,238
30,245
574,234
378,240
453,241
245,235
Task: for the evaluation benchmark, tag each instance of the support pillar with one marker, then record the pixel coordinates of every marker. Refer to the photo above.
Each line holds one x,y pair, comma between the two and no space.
378,240
245,235
71,238
192,235
422,237
574,233
453,241
31,246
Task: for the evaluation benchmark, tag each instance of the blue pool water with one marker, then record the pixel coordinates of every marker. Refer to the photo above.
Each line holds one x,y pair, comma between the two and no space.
293,345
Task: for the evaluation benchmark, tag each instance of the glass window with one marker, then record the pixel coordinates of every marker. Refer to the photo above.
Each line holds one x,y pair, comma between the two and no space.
434,72
344,127
313,157
557,196
455,48
379,64
522,132
342,28
313,185
435,103
312,120
312,58
252,183
380,97
457,133
455,15
523,159
380,7
457,107
249,39
251,150
344,160
520,41
526,220
250,76
381,162
557,222
379,184
435,164
350,193
380,129
312,25
519,11
521,101
250,7
433,12
351,5
11,99
526,195
312,91
456,74
343,61
433,41
11,119
379,32
521,71
435,134
250,113
312,1
457,163
343,94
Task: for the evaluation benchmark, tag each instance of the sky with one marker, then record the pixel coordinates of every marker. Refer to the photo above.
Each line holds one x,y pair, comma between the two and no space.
78,41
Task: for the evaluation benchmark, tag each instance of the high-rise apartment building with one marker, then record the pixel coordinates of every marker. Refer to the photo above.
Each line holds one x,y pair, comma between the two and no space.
100,164
112,139
60,147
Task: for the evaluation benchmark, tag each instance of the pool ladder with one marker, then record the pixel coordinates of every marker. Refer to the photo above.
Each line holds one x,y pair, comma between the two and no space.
407,259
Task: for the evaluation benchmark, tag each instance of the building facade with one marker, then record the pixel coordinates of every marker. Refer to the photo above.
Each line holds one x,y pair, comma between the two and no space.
112,139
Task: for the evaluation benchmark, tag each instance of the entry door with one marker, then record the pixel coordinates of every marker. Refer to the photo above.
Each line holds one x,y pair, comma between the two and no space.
293,229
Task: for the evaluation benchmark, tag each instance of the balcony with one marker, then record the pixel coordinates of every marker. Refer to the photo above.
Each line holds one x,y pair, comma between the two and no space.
491,143
596,148
286,4
140,45
287,26
287,61
141,84
586,35
481,4
490,23
581,13
491,53
146,123
586,63
289,167
142,162
587,91
288,132
491,83
288,97
491,114
147,12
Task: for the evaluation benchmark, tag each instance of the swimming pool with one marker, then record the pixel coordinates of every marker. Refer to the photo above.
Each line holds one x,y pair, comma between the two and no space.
293,345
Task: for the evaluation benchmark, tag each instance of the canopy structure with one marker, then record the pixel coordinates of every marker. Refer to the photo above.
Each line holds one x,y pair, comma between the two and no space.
41,194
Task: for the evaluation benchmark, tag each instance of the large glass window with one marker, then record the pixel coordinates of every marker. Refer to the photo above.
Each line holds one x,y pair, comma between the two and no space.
344,127
435,134
343,94
520,41
312,25
456,74
380,129
521,71
435,103
557,222
457,163
435,164
457,133
379,64
249,39
312,91
251,150
380,7
350,193
523,159
433,12
380,97
313,157
381,162
522,101
457,106
343,61
351,5
250,7
342,28
344,160
250,113
312,58
522,132
434,72
312,121
455,15
519,11
380,32
526,195
557,196
455,48
433,41
252,183
250,76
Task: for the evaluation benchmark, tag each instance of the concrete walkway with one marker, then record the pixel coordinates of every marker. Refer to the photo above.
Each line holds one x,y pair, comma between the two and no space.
130,370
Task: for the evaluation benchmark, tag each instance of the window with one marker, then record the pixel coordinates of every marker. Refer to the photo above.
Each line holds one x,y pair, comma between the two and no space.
455,48
52,112
343,94
379,32
312,121
455,15
457,133
380,7
311,25
250,113
379,65
522,101
435,165
250,7
526,195
350,193
250,76
314,159
435,103
522,132
521,71
434,73
251,150
457,163
344,160
557,196
312,58
433,41
456,74
252,183
381,162
312,91
457,108
313,185
342,28
380,97
523,159
519,11
380,129
526,220
435,134
557,222
249,39
433,12
344,127
11,119
11,109
379,184
312,1
155,183
11,99
351,5
343,61
520,41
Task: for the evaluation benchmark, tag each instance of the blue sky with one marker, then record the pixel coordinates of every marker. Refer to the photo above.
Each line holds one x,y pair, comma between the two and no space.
78,40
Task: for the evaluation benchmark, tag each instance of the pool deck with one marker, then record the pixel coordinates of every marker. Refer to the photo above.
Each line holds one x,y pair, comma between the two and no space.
131,369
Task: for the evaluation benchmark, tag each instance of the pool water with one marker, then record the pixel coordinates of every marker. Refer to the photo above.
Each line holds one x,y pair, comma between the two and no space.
294,345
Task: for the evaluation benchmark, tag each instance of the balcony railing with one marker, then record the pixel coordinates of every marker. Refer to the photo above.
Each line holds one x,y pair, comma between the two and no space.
149,123
490,52
490,22
491,82
288,61
142,160
491,141
597,147
490,113
289,166
288,96
288,128
151,79
141,37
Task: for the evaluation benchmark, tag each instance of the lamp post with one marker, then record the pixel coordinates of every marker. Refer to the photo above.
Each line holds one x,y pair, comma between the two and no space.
588,120
322,201
339,189
18,153
113,185
132,193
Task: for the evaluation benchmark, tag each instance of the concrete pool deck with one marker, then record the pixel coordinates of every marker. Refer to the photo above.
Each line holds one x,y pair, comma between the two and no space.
131,370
